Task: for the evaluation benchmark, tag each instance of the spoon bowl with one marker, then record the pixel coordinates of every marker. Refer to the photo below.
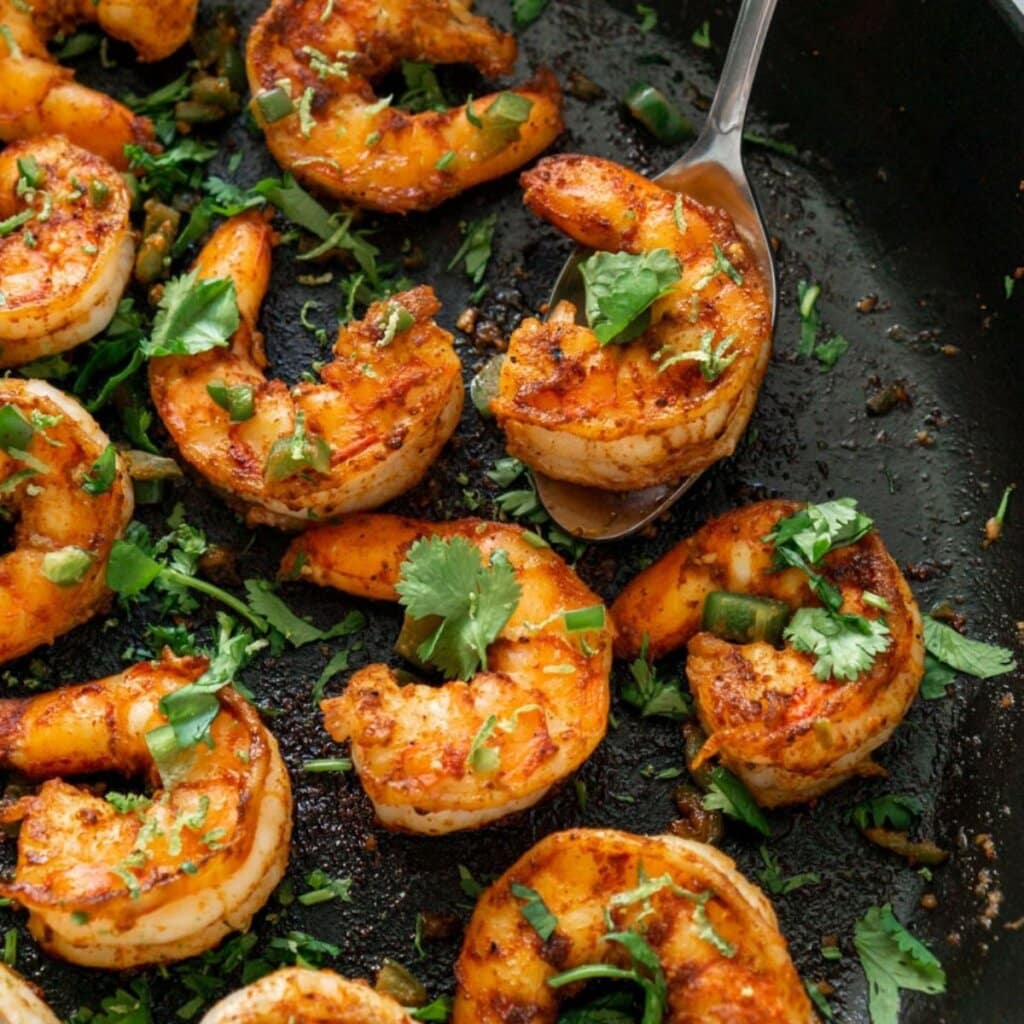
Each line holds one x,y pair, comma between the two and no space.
711,172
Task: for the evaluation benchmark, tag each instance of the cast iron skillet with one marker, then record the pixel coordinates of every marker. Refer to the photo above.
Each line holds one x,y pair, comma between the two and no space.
907,119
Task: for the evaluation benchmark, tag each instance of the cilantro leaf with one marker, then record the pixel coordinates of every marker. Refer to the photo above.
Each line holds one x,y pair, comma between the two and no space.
892,810
892,960
267,605
654,696
191,710
772,878
845,645
526,12
439,1010
816,530
620,289
193,316
475,251
100,477
447,578
965,655
535,910
937,677
728,795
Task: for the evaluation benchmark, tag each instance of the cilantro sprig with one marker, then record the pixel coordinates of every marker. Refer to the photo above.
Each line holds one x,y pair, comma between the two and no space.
446,577
653,695
845,644
621,287
193,316
893,960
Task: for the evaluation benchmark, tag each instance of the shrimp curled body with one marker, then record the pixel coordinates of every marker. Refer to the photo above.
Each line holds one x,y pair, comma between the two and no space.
545,687
116,887
19,1004
504,967
633,415
303,996
345,142
59,524
789,735
384,407
37,95
65,268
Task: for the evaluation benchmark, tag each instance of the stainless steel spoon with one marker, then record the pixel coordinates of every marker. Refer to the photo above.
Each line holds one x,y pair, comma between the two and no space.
712,172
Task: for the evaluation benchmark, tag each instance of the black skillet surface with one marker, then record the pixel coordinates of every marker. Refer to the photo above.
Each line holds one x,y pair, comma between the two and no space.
908,121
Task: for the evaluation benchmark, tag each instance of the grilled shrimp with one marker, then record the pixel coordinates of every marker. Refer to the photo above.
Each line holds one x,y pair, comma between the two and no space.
389,400
64,269
545,690
632,415
789,735
302,996
54,578
114,887
713,932
341,139
38,96
18,1002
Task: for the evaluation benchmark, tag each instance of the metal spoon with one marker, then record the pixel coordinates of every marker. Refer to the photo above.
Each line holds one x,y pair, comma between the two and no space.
712,172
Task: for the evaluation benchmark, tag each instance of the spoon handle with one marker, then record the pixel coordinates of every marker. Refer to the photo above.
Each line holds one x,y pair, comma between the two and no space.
729,107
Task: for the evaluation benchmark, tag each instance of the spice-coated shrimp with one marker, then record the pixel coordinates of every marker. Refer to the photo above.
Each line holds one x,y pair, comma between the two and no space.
117,886
318,59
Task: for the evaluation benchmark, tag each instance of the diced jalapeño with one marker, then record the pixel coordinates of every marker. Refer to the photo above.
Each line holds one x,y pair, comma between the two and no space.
742,619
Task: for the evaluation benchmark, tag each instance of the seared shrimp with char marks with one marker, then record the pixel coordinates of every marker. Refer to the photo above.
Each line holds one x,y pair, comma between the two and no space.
388,401
38,96
540,706
67,514
714,934
788,734
19,1004
118,885
67,262
674,400
301,996
316,62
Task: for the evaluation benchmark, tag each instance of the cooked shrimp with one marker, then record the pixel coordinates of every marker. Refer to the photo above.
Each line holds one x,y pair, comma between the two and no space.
714,933
342,140
66,266
411,744
632,415
302,996
19,1004
389,400
789,735
117,888
38,96
54,578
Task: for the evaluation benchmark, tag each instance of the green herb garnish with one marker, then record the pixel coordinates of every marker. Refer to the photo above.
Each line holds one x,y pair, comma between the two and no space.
447,578
621,288
893,960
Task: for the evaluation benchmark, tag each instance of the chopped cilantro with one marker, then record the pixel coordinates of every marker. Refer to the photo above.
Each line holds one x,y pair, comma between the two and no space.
323,888
713,361
890,811
297,452
100,477
526,12
620,289
475,251
535,910
893,960
193,316
845,645
772,878
965,655
648,17
702,36
728,795
447,578
654,696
